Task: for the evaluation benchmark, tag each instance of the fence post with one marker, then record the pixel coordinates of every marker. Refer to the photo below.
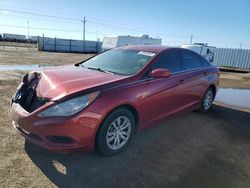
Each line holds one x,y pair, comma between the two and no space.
43,41
55,44
69,45
38,43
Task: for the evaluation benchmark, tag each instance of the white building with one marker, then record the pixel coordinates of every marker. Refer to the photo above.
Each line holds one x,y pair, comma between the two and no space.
112,42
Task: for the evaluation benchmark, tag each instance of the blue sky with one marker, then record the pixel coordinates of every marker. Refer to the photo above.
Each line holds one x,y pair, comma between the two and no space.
222,23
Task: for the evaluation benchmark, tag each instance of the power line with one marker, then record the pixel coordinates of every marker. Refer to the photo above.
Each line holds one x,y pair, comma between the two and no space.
38,10
76,18
48,29
41,19
41,14
94,22
135,29
105,25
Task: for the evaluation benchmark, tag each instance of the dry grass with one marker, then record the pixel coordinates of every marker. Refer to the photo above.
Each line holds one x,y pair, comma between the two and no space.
235,80
13,158
13,57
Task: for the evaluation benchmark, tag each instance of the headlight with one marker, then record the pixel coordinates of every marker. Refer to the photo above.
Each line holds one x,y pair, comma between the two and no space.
70,106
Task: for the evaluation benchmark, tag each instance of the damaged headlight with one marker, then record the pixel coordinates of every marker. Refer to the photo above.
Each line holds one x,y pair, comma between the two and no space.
71,106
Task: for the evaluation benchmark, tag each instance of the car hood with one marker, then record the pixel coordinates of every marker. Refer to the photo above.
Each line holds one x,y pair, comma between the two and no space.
56,83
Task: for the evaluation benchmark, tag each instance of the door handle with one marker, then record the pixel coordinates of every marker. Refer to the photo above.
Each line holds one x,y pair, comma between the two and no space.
181,81
205,73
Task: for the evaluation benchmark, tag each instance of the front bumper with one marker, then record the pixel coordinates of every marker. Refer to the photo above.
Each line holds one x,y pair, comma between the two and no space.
45,143
79,130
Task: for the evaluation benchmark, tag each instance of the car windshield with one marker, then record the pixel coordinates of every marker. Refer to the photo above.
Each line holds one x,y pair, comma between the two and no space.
119,61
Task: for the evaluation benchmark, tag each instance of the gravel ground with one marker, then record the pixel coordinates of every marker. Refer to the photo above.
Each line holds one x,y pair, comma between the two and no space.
190,150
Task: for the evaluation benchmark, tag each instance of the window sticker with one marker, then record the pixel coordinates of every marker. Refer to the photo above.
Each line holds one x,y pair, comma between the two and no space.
151,54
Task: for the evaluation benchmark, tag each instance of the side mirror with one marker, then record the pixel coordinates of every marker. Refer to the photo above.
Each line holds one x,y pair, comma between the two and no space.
160,73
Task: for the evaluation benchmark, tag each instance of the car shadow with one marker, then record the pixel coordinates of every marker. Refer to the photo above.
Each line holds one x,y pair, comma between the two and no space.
171,154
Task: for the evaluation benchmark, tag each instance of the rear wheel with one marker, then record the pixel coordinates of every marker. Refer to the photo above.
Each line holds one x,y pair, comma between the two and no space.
116,132
207,100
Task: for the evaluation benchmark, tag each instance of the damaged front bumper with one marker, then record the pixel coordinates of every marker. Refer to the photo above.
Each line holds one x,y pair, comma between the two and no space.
60,134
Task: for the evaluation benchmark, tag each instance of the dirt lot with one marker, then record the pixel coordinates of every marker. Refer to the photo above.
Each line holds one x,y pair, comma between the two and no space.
11,56
191,150
235,80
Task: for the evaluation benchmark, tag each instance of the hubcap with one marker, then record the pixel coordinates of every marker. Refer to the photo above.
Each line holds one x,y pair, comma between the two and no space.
208,100
118,133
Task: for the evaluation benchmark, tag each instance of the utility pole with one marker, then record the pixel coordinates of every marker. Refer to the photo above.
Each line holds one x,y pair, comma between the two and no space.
191,38
97,36
241,45
83,33
28,27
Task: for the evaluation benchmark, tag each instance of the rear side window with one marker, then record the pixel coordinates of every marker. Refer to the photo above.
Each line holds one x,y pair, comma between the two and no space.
168,60
205,63
190,61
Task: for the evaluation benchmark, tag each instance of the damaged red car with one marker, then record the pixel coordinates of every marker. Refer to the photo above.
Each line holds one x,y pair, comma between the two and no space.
103,101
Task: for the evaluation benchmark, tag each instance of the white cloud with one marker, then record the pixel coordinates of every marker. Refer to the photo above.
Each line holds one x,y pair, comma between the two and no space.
4,11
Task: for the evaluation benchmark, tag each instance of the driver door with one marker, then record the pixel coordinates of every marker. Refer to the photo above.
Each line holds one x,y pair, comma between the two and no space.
164,96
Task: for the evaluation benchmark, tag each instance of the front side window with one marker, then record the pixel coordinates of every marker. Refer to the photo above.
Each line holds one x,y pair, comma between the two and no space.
168,60
190,61
120,61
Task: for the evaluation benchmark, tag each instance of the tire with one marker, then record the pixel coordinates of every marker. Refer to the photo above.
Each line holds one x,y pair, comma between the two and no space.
116,132
207,100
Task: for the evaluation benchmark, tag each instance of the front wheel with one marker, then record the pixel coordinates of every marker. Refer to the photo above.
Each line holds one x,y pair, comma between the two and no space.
116,132
207,100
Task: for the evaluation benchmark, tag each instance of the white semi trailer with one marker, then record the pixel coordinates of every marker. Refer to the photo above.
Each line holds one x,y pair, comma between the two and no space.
202,49
13,37
112,42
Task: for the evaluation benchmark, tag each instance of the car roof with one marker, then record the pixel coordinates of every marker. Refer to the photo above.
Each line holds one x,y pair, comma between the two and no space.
149,48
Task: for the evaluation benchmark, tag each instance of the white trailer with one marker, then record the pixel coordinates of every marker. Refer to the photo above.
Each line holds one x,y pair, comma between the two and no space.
113,42
33,38
202,49
7,36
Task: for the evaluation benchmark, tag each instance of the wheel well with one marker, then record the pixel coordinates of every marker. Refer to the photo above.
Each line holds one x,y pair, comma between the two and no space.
126,106
213,88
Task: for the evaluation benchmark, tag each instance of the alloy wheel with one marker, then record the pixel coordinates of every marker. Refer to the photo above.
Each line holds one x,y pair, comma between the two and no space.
208,99
118,133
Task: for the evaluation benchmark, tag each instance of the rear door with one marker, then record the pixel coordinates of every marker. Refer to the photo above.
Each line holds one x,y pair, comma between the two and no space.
194,77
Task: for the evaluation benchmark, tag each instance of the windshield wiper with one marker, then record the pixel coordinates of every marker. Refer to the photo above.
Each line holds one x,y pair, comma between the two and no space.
101,70
111,72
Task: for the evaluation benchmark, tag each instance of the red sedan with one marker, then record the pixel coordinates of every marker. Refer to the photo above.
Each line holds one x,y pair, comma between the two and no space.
103,101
